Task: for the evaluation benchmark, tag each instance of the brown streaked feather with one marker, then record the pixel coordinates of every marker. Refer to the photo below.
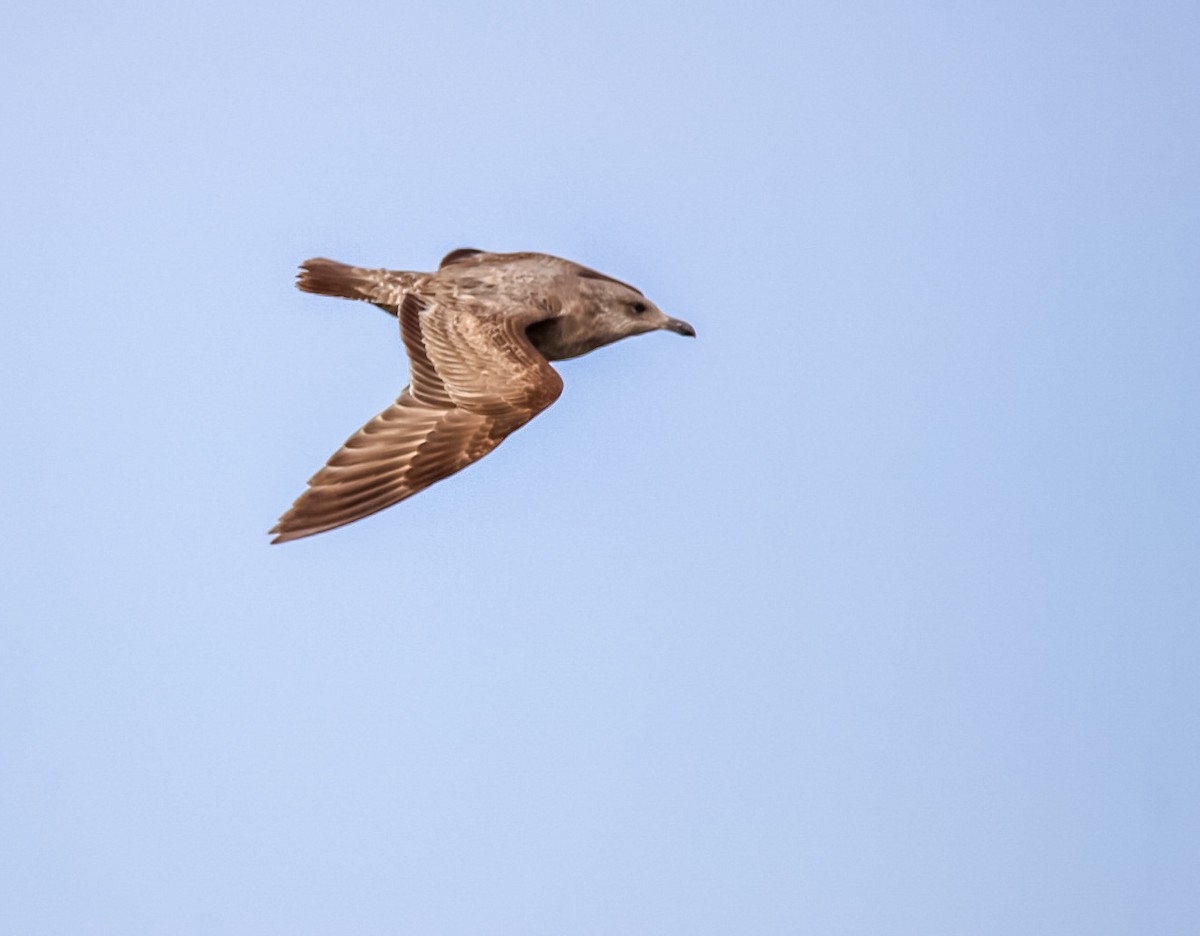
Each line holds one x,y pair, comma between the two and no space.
485,360
426,385
401,451
475,378
384,288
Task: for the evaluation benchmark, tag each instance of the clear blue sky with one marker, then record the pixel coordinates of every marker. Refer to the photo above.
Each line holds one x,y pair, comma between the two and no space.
874,610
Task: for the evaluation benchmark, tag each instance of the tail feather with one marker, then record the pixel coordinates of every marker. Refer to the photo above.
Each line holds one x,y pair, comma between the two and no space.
385,288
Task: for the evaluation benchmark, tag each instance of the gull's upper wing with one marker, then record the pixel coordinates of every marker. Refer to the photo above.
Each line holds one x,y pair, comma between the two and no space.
475,378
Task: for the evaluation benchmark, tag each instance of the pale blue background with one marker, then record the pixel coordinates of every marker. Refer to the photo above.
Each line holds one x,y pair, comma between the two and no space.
871,611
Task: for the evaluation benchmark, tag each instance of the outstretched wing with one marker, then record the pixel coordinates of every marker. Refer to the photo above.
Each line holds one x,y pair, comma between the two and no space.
475,378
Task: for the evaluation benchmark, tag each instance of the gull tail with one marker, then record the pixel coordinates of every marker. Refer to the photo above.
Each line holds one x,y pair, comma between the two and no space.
384,288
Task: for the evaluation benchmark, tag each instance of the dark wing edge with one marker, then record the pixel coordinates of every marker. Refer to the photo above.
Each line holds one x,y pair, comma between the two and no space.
401,451
462,253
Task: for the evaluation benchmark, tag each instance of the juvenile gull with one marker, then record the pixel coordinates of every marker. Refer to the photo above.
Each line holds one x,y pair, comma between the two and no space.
480,333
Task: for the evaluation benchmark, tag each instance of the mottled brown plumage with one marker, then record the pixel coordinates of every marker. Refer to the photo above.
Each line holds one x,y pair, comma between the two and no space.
480,333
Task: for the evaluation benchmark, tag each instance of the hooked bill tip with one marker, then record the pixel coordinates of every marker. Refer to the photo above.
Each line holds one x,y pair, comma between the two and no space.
681,328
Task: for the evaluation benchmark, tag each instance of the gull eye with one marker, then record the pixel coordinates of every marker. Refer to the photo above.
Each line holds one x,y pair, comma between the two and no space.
638,307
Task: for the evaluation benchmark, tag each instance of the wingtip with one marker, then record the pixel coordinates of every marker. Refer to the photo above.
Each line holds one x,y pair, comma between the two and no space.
282,534
279,532
285,531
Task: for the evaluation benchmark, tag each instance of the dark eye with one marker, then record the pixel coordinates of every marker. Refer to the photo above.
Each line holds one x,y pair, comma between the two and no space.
638,307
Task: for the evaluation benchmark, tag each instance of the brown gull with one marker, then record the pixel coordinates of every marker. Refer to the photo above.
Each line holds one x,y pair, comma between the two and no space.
480,333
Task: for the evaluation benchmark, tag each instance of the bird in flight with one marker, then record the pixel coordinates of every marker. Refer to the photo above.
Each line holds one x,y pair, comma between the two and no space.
480,333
